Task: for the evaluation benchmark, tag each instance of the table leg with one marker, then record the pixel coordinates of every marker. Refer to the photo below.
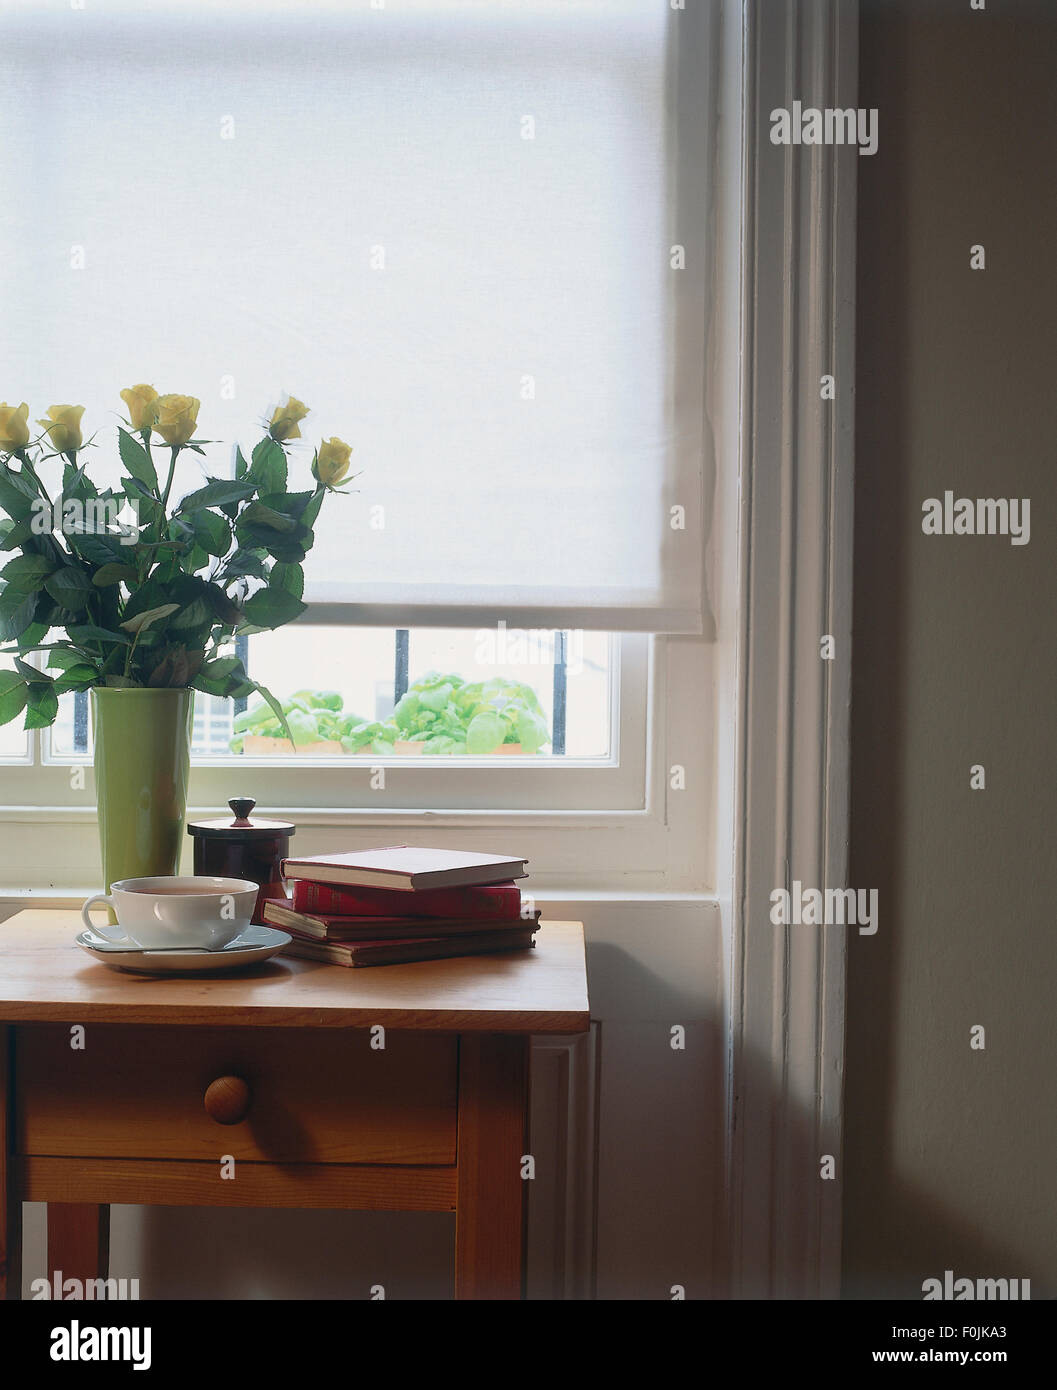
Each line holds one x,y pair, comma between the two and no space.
490,1197
78,1241
10,1195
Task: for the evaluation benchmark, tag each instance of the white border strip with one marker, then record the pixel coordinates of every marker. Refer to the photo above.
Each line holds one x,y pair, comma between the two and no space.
786,1005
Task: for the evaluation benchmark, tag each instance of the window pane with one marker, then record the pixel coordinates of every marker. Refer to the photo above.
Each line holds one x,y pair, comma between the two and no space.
342,678
519,664
337,686
71,734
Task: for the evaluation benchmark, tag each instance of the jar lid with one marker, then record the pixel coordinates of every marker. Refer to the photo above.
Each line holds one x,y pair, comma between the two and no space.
241,828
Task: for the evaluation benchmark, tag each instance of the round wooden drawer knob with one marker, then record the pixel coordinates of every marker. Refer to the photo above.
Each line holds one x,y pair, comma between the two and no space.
227,1100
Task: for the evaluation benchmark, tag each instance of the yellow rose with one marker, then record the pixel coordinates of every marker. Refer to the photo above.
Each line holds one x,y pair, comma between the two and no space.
14,427
141,406
176,418
64,427
332,461
286,418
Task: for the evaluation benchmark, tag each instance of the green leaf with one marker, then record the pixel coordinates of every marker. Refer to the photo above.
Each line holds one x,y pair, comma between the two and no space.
135,488
407,708
143,620
275,707
241,466
532,732
288,549
193,614
212,534
31,673
17,493
88,632
485,732
221,676
80,677
272,608
19,534
243,562
442,743
288,577
76,482
69,588
151,594
13,694
437,698
27,572
113,573
291,504
257,514
216,492
42,705
253,719
97,549
64,659
269,467
194,560
18,614
32,636
221,605
221,667
136,459
167,568
311,511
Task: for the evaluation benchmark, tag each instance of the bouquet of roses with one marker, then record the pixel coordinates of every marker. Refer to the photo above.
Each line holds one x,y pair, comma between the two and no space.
131,587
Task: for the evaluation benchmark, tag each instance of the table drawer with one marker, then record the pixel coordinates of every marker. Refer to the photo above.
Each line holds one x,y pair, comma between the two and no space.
315,1095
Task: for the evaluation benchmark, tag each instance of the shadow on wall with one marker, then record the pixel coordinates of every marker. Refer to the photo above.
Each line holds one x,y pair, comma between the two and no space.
924,1235
953,659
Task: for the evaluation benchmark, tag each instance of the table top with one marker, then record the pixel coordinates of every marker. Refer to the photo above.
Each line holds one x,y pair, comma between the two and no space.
46,977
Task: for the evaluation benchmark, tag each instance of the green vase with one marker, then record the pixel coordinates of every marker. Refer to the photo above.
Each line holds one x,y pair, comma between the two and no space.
142,761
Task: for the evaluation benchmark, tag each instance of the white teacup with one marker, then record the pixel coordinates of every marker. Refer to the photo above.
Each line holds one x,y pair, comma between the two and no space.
156,913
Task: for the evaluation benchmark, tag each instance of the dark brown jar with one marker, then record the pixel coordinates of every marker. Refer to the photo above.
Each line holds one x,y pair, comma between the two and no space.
243,848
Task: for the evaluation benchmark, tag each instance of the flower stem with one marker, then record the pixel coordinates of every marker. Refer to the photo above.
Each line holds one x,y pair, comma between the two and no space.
168,481
131,649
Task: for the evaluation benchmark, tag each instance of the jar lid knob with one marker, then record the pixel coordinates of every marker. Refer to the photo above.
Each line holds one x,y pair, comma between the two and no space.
242,806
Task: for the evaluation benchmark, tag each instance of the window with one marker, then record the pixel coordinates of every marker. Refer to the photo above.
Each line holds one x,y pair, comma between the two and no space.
608,681
474,237
378,694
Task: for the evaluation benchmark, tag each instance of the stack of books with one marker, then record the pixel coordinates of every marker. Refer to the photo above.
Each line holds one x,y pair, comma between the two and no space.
403,903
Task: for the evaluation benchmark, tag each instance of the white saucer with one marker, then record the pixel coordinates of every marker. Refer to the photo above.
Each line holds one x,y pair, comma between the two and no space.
252,944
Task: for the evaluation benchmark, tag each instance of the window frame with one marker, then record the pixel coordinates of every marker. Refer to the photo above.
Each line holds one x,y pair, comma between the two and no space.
660,843
340,787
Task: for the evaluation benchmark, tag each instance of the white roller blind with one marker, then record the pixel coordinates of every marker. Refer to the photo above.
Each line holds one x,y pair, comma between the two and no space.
445,226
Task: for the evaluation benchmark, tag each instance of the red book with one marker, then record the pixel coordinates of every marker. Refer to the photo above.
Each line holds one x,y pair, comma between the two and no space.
325,926
496,902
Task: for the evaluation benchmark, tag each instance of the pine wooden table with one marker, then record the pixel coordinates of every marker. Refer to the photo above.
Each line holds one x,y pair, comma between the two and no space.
400,1088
